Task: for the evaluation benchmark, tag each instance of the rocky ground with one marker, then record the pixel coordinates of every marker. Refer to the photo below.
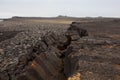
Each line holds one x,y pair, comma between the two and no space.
88,49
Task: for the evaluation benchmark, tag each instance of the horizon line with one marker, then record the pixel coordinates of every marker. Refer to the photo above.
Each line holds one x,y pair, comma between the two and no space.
59,16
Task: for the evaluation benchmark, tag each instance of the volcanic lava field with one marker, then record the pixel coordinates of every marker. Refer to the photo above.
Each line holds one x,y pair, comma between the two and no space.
61,48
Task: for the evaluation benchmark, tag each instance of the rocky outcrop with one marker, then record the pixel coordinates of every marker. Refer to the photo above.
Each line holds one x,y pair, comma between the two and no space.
44,59
7,35
92,58
49,64
69,55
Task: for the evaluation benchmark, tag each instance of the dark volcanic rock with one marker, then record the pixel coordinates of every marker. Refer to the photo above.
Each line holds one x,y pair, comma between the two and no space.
60,54
41,57
75,28
48,65
7,35
92,58
75,32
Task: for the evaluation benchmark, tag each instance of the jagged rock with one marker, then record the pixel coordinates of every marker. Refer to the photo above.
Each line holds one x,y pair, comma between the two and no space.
4,76
7,35
94,61
76,32
74,28
42,59
46,66
67,53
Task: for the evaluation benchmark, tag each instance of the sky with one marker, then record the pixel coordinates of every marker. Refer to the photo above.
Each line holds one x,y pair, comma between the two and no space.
53,8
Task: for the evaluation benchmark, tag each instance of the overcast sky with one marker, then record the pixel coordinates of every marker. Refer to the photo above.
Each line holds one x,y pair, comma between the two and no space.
49,8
